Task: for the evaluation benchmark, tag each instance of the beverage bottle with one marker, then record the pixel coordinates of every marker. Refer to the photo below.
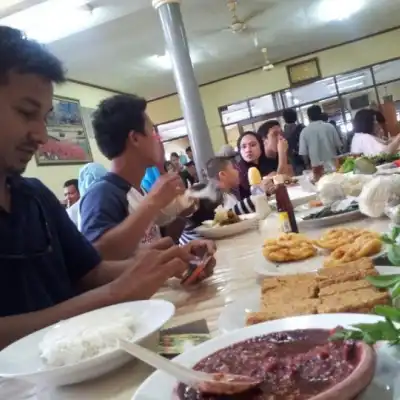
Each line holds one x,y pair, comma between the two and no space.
287,218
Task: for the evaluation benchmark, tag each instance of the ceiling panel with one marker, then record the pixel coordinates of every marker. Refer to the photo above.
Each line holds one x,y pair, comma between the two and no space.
123,47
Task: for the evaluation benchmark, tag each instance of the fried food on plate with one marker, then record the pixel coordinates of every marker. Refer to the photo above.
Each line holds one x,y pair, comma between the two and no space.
300,307
342,287
363,246
359,301
289,247
286,281
337,237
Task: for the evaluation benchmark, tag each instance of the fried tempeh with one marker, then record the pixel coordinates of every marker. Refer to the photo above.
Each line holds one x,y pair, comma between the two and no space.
363,300
286,280
302,307
342,287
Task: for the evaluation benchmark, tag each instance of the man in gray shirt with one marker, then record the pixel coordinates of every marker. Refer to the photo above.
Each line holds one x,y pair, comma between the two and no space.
319,141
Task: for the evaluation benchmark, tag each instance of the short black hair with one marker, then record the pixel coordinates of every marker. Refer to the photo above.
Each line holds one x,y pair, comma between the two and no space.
266,126
72,182
188,149
289,115
114,119
25,56
364,121
216,165
314,113
324,117
174,154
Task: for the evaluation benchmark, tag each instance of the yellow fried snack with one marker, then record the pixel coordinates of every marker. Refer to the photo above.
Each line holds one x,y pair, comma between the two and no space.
363,246
289,247
337,237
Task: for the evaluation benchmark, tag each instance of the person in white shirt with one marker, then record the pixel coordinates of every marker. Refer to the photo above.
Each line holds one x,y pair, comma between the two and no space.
369,136
319,141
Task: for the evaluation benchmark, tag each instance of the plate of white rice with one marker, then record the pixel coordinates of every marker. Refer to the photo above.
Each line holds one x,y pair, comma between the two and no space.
85,346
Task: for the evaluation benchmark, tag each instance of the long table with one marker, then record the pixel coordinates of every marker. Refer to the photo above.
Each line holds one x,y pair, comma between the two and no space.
234,276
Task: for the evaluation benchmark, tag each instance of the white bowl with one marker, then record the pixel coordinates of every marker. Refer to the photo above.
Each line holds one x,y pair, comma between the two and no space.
22,359
162,386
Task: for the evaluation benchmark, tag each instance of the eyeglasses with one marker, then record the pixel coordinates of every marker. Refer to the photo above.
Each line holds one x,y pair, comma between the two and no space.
48,236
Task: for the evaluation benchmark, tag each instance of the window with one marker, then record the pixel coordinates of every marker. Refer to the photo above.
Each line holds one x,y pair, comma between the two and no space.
235,112
232,134
262,105
309,93
354,81
387,71
172,130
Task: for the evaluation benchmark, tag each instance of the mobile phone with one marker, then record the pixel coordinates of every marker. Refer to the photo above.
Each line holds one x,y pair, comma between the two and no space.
196,272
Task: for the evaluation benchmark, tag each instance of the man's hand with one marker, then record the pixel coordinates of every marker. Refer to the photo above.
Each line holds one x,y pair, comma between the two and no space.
150,270
282,146
166,189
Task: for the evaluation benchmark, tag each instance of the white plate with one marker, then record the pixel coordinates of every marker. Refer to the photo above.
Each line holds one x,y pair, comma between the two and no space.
22,359
327,221
161,386
249,221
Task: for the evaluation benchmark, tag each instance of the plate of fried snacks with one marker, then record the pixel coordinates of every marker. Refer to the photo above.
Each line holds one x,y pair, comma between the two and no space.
330,290
349,244
227,223
295,253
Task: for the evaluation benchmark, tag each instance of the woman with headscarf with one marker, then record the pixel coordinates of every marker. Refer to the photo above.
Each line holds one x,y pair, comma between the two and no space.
88,175
252,154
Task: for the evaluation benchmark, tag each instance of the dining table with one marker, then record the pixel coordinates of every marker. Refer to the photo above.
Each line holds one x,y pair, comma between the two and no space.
234,276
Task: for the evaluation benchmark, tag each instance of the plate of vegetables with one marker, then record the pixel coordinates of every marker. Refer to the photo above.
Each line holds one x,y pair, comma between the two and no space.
335,213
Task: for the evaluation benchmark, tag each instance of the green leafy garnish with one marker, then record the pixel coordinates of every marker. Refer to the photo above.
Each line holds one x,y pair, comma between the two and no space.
383,281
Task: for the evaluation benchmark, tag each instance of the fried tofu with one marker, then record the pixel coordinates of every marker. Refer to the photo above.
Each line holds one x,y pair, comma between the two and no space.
363,300
352,271
286,280
283,310
305,290
342,287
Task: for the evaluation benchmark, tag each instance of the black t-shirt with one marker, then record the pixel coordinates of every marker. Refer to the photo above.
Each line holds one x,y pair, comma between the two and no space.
42,254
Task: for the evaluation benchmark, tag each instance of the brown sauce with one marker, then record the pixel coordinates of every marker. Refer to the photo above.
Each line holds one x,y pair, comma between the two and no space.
293,365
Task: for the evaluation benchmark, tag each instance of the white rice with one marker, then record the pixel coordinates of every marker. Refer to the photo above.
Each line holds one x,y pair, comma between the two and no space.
73,341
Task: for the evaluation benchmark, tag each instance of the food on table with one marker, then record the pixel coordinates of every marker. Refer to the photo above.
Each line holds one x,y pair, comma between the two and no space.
337,237
341,289
224,217
364,166
285,179
289,247
69,343
384,158
349,164
315,203
330,211
349,244
290,365
393,245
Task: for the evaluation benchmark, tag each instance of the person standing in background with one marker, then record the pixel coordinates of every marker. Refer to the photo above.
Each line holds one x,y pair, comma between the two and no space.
71,192
176,162
319,141
88,175
189,153
291,132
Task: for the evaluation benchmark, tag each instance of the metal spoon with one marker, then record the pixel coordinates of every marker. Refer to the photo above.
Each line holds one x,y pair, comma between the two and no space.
219,383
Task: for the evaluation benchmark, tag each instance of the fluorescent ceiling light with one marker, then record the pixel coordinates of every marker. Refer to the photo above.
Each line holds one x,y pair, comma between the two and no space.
338,10
52,20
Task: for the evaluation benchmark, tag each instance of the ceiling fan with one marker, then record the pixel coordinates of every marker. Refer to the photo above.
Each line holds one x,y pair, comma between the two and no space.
238,24
268,66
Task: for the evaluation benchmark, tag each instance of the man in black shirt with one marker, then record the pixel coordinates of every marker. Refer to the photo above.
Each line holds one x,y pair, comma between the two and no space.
48,270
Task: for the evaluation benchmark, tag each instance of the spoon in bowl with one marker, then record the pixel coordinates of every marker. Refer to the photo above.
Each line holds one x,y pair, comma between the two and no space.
218,383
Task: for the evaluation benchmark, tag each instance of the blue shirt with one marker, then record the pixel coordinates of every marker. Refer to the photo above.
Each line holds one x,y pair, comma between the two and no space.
150,178
42,254
104,206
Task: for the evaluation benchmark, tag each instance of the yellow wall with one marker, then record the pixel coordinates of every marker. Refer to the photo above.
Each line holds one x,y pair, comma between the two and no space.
334,61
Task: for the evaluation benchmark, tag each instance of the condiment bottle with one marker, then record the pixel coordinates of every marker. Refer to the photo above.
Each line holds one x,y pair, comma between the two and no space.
287,218
255,181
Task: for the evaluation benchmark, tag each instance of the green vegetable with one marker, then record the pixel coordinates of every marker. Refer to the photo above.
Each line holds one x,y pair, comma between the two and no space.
383,281
348,165
365,166
391,313
393,246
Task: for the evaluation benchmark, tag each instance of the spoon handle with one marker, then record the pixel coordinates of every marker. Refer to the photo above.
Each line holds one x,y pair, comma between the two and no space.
183,374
